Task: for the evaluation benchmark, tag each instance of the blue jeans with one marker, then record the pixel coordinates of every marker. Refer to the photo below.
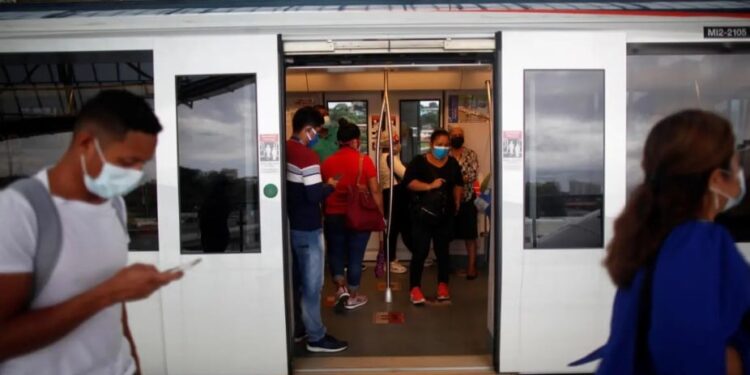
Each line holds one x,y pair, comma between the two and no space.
307,264
346,248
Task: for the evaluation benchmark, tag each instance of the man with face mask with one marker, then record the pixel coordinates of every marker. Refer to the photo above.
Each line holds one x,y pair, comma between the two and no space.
327,143
75,322
305,193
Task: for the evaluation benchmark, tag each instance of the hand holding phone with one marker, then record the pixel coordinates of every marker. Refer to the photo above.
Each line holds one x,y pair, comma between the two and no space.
186,266
333,181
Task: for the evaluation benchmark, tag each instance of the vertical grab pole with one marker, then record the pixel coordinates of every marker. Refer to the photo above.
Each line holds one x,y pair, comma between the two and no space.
378,151
491,107
388,291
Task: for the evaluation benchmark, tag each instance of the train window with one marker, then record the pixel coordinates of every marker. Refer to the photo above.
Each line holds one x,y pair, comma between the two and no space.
564,159
660,84
418,119
42,93
218,163
353,110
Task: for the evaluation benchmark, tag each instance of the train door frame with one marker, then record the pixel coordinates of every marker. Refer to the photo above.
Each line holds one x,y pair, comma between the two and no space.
495,254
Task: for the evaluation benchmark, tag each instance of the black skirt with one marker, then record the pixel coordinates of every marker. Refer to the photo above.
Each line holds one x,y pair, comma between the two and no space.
466,222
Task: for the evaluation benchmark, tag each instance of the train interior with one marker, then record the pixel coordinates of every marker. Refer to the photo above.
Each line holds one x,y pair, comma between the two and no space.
419,98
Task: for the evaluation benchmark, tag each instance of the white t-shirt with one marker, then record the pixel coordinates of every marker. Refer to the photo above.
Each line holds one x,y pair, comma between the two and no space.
385,172
94,248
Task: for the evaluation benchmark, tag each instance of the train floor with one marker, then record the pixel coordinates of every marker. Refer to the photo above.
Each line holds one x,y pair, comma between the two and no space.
455,328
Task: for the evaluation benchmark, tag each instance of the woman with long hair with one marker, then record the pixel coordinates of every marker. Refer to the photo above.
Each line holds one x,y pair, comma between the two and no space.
683,287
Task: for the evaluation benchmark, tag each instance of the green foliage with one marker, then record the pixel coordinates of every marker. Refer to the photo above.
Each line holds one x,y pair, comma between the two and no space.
354,111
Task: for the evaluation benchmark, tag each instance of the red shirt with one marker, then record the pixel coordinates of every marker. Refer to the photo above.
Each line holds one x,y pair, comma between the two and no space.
345,162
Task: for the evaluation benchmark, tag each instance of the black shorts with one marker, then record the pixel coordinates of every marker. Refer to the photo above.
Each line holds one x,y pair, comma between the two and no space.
466,222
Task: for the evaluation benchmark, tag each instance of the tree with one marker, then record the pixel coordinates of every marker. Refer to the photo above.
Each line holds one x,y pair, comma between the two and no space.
354,111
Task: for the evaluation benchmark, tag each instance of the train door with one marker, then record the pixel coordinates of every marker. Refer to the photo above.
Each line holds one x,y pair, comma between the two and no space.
562,125
219,165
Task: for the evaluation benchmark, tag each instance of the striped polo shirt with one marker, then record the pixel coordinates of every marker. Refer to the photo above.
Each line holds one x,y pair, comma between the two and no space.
304,186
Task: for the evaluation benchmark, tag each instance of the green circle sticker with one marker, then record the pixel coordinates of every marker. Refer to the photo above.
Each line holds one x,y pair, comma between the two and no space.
270,190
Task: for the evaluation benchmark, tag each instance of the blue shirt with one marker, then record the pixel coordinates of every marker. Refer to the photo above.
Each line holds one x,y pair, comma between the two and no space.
699,295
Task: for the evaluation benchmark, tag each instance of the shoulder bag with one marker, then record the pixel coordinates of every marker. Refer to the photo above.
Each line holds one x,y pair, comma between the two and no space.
362,214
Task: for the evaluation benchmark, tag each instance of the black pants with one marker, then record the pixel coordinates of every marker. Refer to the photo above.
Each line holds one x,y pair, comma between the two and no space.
440,235
400,219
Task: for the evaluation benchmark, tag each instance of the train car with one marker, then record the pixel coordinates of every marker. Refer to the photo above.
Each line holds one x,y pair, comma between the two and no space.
556,98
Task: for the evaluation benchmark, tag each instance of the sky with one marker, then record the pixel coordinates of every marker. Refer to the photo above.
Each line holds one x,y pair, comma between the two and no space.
564,124
216,132
661,85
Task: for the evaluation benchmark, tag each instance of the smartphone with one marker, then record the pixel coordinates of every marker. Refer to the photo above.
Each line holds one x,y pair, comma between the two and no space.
186,266
338,176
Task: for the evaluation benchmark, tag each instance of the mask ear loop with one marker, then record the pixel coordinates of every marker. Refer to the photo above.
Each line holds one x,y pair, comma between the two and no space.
83,166
716,192
307,133
99,152
98,148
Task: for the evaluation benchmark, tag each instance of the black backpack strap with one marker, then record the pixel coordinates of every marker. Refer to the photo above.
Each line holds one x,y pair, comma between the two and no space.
48,233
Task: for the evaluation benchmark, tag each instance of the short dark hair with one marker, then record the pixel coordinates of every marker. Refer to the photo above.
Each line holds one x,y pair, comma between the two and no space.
437,133
347,131
116,112
306,116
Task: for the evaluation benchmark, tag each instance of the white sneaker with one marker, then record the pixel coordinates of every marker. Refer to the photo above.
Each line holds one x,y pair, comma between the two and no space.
396,267
355,302
342,298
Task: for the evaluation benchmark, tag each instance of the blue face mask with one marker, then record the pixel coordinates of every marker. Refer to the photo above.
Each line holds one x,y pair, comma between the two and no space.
113,181
440,152
312,141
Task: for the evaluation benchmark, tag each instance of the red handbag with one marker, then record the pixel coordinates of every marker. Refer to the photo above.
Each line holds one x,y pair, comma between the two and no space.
362,213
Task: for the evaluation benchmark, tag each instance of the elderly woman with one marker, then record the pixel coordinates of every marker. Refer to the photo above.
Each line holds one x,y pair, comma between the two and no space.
466,219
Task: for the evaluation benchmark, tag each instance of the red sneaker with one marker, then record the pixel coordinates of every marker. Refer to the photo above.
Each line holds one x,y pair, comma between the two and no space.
416,296
443,293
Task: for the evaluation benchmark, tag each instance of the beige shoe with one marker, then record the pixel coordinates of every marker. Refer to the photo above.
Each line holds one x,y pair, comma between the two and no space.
397,267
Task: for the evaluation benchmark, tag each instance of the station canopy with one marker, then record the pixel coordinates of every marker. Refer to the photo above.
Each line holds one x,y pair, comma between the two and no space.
35,9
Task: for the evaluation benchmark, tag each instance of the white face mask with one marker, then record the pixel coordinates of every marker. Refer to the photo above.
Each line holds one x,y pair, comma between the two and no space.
731,201
113,181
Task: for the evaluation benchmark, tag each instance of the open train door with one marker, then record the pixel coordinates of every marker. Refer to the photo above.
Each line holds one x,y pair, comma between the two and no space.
562,101
220,184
